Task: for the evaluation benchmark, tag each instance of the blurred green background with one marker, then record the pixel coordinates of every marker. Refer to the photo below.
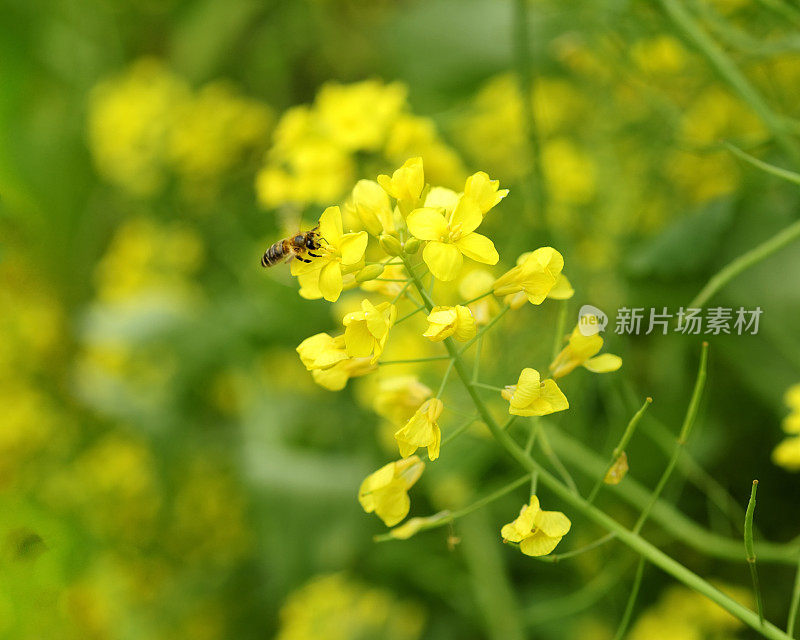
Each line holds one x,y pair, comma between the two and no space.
168,469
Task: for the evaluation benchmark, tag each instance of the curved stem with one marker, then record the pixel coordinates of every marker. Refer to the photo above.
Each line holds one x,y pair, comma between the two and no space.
626,617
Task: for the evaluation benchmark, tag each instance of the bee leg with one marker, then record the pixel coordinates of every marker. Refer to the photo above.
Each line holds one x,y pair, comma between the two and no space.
313,255
302,259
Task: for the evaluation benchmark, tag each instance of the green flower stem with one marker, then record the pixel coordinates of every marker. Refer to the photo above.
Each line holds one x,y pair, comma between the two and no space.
629,538
410,314
413,360
749,548
731,74
793,608
745,261
480,333
444,380
532,436
686,428
626,617
476,363
766,167
557,557
455,515
486,386
666,515
476,298
402,292
459,430
623,443
561,321
547,449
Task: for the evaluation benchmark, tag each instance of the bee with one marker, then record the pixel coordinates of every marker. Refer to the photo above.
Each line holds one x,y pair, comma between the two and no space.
300,246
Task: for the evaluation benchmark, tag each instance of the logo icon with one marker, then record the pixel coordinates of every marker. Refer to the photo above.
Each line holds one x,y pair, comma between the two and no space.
591,320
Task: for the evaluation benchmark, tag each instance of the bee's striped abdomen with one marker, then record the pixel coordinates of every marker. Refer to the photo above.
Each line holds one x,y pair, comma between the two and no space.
275,254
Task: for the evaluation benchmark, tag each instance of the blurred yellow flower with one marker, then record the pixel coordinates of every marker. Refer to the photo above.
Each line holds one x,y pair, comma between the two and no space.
532,397
366,331
477,283
537,532
581,351
422,430
536,276
339,252
444,322
335,607
399,397
791,423
787,454
385,492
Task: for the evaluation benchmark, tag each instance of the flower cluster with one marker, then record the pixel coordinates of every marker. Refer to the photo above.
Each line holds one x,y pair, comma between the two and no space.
316,148
787,453
405,238
147,124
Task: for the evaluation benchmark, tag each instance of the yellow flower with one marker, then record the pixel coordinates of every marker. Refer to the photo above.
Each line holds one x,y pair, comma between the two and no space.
532,397
340,252
366,330
477,282
370,204
385,492
450,321
422,430
399,397
483,191
791,423
580,351
787,454
406,183
536,276
327,360
538,532
450,234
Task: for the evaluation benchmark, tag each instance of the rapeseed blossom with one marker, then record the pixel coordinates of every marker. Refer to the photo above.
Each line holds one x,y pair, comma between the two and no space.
787,453
532,396
444,322
581,351
366,331
538,532
422,430
385,492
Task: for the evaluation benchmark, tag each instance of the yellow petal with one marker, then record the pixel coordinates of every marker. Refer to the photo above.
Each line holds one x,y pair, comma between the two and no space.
392,505
427,224
372,483
553,523
562,289
444,260
528,388
330,225
433,447
465,324
479,248
484,191
466,216
550,399
604,363
539,544
330,281
353,246
359,340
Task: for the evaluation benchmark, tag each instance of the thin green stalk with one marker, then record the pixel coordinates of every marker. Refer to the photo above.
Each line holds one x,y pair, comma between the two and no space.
548,450
793,608
410,313
623,443
766,167
460,513
626,617
731,74
459,430
532,436
444,380
476,298
749,548
476,363
413,360
557,557
486,386
670,519
575,501
688,422
535,183
480,333
401,293
745,261
561,322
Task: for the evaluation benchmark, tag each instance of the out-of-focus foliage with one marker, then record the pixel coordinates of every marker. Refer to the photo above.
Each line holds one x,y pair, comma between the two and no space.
169,469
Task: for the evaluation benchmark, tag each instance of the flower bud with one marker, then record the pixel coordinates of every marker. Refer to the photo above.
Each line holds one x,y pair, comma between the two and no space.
370,272
412,246
390,245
